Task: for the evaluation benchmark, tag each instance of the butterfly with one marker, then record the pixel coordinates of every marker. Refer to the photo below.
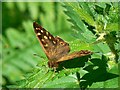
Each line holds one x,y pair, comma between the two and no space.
55,48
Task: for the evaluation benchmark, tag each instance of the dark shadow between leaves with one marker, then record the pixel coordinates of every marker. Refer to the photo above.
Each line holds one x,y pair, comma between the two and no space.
96,73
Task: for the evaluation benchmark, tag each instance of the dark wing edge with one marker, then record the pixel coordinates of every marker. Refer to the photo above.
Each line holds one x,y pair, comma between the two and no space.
36,25
75,55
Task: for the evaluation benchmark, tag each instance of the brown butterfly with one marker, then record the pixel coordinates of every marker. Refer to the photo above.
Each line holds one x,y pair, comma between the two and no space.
56,49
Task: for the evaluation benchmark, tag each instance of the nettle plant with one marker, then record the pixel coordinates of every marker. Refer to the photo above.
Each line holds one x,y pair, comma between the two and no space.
99,18
94,28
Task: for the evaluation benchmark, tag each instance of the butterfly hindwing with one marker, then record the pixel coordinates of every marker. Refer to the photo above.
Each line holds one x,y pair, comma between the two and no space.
62,47
75,55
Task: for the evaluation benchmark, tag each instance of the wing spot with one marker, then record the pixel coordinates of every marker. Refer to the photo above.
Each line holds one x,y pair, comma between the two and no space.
37,28
50,37
42,40
58,40
46,45
38,33
41,31
54,42
45,37
47,33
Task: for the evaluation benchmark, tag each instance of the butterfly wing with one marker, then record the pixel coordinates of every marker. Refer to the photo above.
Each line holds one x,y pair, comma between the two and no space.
45,38
54,47
75,55
62,48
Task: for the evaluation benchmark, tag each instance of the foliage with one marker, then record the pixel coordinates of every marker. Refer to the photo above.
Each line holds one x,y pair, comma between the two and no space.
94,27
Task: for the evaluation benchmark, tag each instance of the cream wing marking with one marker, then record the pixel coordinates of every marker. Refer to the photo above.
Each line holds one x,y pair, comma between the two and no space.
47,41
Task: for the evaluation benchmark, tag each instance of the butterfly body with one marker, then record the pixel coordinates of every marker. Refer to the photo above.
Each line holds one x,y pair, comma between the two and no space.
56,49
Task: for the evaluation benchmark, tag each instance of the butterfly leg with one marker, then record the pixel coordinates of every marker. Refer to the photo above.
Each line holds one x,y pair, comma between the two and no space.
52,64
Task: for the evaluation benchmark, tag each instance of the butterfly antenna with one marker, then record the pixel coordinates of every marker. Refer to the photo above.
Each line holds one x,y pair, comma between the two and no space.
39,56
98,53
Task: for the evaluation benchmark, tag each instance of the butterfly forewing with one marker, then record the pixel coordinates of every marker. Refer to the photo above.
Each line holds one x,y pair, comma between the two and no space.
54,48
47,41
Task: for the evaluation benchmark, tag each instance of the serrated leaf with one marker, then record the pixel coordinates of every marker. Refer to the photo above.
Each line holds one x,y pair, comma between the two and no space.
112,27
83,14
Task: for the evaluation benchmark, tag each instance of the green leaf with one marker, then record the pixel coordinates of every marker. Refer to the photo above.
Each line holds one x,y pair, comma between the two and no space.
82,13
63,82
112,27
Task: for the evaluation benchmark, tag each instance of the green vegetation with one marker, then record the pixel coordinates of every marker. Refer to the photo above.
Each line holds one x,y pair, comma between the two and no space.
85,26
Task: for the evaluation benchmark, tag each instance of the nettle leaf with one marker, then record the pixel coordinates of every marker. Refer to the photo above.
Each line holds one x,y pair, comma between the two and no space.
77,45
74,17
82,32
89,76
112,27
85,30
82,13
77,19
38,79
41,77
63,82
